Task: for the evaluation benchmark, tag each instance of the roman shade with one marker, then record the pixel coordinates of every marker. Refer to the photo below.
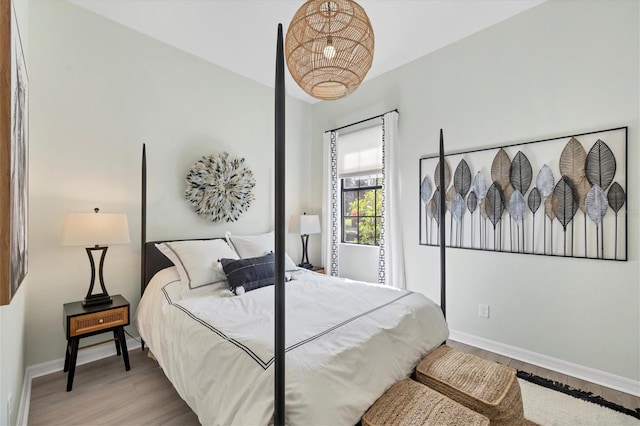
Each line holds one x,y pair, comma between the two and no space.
360,152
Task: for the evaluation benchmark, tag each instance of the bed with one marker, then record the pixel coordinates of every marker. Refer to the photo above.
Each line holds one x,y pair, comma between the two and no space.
346,343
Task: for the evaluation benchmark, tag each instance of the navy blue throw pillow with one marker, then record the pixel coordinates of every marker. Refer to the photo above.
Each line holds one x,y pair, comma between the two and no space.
250,273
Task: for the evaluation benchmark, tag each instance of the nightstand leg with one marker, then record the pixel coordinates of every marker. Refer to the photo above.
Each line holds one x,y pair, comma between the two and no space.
75,341
123,346
66,356
117,340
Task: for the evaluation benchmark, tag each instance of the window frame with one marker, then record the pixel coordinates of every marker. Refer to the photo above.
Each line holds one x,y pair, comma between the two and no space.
377,217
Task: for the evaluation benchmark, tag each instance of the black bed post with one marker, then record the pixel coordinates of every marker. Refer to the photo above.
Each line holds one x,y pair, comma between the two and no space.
280,233
143,227
443,208
143,218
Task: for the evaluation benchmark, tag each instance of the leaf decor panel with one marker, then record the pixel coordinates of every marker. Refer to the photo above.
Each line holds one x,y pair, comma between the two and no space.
564,196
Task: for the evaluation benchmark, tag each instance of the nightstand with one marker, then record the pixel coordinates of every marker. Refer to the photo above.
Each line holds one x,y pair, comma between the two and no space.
318,269
84,321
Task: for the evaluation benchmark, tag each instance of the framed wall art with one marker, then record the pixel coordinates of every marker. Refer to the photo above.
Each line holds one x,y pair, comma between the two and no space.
564,196
14,145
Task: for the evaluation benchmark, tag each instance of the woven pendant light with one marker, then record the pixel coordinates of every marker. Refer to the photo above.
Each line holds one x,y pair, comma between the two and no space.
329,47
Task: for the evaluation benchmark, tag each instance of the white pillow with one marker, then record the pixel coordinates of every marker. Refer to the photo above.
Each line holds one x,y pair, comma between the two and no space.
257,245
198,262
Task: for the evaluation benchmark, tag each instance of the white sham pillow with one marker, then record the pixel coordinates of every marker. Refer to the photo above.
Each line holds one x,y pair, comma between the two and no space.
198,262
257,245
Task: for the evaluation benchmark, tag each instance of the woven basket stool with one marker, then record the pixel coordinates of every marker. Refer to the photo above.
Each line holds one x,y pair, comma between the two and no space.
409,403
486,387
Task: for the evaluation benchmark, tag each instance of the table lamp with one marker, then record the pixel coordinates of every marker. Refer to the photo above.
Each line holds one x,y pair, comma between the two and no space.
304,225
96,230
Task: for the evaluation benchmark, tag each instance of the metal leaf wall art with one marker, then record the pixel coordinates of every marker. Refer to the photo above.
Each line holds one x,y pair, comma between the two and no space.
426,190
494,207
521,173
534,201
600,167
480,186
435,206
572,160
616,198
584,173
448,199
501,168
572,164
447,175
545,181
516,210
480,190
462,178
566,206
545,184
457,212
596,209
472,204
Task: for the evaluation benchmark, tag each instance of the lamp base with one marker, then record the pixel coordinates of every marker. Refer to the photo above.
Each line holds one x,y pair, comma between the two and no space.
98,299
304,262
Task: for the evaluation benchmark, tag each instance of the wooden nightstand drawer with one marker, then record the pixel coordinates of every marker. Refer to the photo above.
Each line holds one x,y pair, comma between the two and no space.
84,324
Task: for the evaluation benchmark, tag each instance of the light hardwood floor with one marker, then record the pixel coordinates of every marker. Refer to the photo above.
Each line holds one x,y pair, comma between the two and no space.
105,394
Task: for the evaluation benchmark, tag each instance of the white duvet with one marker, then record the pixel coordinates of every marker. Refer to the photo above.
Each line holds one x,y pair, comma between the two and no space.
346,343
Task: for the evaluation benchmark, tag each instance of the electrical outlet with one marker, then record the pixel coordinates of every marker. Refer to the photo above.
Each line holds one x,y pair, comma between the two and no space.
483,311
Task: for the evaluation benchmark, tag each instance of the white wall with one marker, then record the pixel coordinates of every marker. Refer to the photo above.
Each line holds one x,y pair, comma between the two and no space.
557,69
12,316
12,351
98,90
358,262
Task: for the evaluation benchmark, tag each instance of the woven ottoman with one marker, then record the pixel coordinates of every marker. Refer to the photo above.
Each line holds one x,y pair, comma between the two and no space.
486,387
409,403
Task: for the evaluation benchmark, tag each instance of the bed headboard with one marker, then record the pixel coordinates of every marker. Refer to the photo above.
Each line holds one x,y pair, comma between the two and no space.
153,260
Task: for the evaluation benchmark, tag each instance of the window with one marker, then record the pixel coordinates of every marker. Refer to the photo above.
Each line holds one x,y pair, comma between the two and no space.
361,209
359,168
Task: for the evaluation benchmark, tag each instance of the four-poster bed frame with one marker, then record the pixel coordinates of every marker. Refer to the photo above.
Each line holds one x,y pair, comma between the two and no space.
279,394
280,232
153,261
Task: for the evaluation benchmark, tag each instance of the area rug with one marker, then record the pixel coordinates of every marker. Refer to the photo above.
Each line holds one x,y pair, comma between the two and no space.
548,403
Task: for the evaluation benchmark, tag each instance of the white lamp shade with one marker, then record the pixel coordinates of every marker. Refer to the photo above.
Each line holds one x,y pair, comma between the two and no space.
305,224
89,229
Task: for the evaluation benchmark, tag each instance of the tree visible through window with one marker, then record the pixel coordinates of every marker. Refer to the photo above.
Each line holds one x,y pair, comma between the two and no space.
362,209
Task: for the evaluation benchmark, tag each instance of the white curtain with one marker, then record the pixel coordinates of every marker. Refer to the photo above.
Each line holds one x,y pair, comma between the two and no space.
391,259
331,204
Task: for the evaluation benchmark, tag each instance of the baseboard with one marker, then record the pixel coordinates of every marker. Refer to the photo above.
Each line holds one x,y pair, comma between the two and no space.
592,375
25,401
84,357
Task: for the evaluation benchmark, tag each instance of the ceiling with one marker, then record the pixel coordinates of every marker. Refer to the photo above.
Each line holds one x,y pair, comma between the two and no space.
240,35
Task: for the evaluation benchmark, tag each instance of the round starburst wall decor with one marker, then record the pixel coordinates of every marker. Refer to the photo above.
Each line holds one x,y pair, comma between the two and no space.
220,188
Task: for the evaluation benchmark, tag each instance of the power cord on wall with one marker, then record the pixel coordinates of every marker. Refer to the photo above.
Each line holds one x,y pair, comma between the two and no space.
137,339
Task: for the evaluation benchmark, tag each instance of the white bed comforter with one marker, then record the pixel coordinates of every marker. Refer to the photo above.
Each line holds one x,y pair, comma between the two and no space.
346,343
